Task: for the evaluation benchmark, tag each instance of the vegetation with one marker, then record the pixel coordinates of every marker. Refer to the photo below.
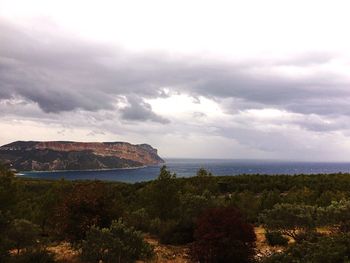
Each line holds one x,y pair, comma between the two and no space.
86,205
325,249
213,215
118,243
23,234
223,235
275,238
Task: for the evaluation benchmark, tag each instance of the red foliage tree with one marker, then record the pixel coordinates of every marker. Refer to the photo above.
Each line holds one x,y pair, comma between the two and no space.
223,235
87,205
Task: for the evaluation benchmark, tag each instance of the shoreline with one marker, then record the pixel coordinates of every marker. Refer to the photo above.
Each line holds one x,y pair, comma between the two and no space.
88,170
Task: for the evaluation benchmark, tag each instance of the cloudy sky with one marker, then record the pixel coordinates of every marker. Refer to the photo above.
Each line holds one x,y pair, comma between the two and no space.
203,79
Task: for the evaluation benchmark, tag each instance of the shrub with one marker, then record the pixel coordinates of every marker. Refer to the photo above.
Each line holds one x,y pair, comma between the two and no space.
88,204
176,233
23,234
5,244
223,235
118,243
34,256
290,219
275,238
172,232
162,196
139,219
326,249
155,226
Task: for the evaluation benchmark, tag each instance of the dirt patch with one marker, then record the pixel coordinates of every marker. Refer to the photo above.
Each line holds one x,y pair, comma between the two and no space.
164,253
168,253
262,247
65,253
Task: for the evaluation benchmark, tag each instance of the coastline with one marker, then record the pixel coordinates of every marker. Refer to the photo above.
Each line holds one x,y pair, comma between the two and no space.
91,170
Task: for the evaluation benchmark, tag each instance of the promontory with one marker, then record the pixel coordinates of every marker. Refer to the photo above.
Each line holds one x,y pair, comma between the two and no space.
68,155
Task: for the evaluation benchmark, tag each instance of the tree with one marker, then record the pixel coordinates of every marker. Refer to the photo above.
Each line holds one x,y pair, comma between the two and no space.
248,203
275,238
203,173
163,195
87,205
8,190
290,219
8,195
118,243
34,255
336,215
23,234
205,182
269,199
223,235
326,249
5,244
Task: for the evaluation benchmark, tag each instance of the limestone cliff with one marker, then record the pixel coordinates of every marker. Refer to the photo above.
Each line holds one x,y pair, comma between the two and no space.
64,155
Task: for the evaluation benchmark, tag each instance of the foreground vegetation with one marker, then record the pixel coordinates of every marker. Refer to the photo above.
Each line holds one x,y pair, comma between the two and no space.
306,216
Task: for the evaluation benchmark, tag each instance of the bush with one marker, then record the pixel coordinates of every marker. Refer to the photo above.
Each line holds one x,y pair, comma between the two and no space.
5,243
276,239
326,249
118,243
223,235
23,234
172,232
176,233
139,219
290,219
155,226
87,205
34,256
162,196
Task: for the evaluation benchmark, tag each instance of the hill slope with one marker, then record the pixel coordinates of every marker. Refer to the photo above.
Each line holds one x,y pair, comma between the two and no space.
65,155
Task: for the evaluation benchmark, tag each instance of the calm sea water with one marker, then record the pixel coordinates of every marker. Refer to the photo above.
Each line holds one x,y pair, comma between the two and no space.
189,167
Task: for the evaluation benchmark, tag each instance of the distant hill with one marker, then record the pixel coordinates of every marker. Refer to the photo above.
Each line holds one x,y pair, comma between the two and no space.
66,155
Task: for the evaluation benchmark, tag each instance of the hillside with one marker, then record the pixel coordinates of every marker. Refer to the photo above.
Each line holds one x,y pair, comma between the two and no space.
64,155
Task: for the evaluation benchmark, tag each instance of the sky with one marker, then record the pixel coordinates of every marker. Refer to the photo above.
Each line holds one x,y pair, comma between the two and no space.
195,79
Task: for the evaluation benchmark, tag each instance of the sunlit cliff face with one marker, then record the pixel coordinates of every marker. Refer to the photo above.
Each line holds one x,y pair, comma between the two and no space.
242,79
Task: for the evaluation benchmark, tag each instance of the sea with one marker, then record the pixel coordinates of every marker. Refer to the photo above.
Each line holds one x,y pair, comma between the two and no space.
189,167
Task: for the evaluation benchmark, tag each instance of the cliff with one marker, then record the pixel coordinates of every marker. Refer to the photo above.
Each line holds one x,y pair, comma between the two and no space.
63,155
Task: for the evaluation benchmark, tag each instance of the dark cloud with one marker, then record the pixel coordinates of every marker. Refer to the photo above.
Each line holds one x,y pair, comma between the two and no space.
138,110
60,73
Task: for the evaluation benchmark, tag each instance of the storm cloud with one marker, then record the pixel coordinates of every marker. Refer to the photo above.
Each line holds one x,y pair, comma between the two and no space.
64,74
138,110
50,73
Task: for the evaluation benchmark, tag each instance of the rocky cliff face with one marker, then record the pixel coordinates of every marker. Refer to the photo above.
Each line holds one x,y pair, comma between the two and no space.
61,155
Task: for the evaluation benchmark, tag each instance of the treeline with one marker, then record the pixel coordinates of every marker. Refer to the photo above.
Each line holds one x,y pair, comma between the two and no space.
308,215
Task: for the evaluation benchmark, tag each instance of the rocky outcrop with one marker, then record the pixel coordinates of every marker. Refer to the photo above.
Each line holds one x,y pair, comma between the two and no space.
64,155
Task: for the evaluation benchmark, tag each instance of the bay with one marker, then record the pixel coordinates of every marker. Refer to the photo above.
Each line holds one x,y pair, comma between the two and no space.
189,167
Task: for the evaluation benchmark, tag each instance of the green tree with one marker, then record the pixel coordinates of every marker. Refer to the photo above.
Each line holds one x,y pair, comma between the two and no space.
204,181
203,172
269,199
8,190
276,239
163,195
327,249
248,203
8,198
34,255
290,219
336,215
23,234
118,243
